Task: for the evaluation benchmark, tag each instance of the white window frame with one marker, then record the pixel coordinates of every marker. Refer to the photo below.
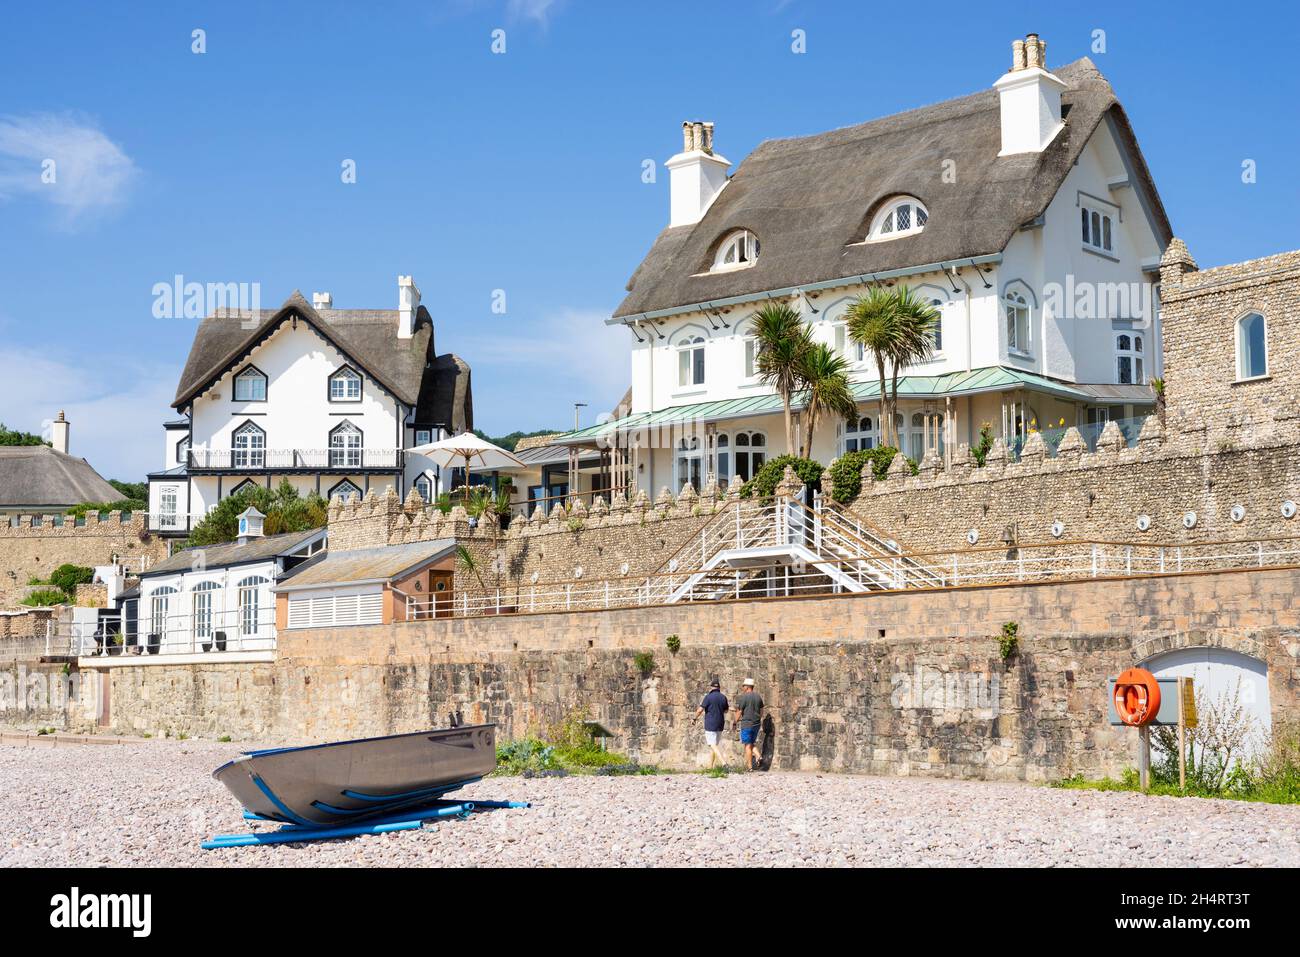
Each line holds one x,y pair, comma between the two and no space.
203,610
1097,229
688,462
745,452
739,250
424,485
346,378
423,436
356,490
1130,345
344,454
245,452
691,368
862,439
247,376
848,347
250,591
885,226
1240,344
1017,299
159,606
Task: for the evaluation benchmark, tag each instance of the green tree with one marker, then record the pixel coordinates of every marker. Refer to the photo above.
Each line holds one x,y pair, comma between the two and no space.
783,341
825,379
897,328
14,437
284,508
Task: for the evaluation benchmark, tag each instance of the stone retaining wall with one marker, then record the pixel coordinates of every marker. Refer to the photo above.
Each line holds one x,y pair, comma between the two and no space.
902,683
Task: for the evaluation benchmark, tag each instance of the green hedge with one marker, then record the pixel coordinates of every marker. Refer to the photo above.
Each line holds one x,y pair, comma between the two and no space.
765,481
846,472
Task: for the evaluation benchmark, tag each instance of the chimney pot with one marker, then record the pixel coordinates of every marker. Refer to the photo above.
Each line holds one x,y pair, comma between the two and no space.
698,174
1017,55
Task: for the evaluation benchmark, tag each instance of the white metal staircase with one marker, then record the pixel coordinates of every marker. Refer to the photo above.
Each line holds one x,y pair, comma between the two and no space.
754,547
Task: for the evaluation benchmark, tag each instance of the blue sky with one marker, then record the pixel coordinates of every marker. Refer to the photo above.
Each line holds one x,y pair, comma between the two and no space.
518,171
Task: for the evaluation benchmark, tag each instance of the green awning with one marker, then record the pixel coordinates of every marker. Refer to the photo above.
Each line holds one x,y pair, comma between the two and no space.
988,379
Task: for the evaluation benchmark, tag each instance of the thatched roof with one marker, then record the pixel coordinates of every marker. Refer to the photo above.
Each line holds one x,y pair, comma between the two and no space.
811,200
39,478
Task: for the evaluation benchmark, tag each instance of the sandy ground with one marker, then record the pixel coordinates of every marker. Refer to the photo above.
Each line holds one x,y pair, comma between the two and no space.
153,803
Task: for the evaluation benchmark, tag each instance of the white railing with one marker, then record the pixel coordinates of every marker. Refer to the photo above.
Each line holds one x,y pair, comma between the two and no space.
972,567
244,459
179,634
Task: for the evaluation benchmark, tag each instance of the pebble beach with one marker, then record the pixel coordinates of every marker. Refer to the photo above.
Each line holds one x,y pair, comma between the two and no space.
153,803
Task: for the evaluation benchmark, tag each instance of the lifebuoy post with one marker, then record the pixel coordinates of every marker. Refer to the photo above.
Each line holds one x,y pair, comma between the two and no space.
1137,702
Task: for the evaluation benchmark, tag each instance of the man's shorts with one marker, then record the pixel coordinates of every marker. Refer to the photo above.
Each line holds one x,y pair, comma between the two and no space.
712,737
749,735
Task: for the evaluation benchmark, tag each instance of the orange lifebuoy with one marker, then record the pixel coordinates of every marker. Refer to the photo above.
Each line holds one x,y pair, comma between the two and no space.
1137,697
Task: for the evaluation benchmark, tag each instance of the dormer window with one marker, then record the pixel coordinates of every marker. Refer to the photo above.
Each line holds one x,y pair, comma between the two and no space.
345,386
250,385
737,251
902,217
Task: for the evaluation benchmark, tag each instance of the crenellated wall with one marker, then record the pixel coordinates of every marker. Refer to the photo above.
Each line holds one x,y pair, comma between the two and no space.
33,551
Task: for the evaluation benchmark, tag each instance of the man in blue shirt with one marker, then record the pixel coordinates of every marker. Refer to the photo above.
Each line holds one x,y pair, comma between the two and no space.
714,707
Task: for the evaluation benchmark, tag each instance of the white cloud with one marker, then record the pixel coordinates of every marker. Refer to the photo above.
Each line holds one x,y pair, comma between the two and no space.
538,11
65,160
530,370
116,405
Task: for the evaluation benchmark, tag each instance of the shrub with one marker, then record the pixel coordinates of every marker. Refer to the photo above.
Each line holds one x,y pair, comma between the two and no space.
121,505
1009,640
674,644
67,577
284,508
846,472
46,597
765,481
644,661
980,451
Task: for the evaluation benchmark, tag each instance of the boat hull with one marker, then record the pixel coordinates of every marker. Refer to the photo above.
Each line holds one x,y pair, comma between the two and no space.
349,781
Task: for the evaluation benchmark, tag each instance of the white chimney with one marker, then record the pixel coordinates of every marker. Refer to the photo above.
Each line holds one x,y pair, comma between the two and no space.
1031,99
59,433
408,301
322,300
697,175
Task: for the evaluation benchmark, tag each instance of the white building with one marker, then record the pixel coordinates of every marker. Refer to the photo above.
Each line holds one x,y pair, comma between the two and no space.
214,601
1025,214
327,398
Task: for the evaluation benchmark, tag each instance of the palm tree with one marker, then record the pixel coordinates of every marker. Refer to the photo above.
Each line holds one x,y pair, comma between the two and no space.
897,328
783,341
826,389
914,341
872,321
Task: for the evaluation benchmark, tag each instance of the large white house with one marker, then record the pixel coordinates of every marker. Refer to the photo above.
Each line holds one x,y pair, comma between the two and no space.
1025,214
330,399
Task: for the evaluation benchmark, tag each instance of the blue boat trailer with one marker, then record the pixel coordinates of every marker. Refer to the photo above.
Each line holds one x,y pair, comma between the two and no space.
430,807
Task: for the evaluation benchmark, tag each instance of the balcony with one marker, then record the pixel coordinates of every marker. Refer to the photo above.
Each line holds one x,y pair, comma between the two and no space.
342,461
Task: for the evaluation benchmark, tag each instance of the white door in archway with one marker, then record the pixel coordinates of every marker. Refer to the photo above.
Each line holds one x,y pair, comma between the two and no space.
1217,672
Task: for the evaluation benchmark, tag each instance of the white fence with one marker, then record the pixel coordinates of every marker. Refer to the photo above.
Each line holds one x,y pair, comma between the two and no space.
247,629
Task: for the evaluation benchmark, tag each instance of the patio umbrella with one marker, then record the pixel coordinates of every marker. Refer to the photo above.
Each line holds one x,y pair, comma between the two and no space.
469,449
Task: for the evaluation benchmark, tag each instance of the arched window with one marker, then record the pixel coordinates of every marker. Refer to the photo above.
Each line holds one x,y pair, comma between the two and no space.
159,605
860,434
424,485
244,486
1130,365
901,217
249,447
250,604
722,456
345,446
690,361
689,462
1016,308
925,437
936,331
202,599
345,386
345,490
1252,347
737,251
750,450
250,385
850,348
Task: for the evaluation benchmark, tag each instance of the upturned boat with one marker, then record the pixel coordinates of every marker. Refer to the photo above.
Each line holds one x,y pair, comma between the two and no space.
345,782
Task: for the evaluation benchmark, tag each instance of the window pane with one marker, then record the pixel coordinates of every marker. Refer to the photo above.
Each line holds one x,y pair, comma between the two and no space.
1105,233
1084,212
1122,342
1096,229
1253,359
1125,370
757,439
684,367
699,366
922,217
888,225
904,215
